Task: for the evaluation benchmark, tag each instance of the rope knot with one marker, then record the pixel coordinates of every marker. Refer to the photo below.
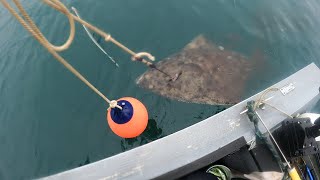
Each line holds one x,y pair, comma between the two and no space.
107,37
113,104
139,56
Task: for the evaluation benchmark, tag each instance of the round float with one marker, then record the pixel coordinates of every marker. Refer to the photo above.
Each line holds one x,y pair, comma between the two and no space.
129,122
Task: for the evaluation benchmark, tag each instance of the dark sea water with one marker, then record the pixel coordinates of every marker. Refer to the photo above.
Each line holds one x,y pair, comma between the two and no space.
50,121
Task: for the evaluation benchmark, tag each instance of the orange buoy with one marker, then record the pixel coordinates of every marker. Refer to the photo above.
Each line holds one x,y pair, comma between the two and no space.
129,122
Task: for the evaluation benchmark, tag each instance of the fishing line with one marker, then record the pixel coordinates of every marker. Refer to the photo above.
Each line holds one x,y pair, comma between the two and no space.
93,40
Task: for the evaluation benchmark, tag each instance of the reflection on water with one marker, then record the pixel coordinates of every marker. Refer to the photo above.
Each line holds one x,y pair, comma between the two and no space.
154,132
87,161
151,133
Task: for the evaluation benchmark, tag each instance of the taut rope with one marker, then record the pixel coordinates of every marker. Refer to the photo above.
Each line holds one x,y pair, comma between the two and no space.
30,26
108,38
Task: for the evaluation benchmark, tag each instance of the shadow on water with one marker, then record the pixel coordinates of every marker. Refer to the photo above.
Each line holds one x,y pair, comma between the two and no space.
87,161
152,132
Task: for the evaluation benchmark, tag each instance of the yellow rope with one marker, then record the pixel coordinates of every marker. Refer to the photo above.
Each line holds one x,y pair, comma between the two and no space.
262,97
261,100
32,28
291,117
35,28
107,37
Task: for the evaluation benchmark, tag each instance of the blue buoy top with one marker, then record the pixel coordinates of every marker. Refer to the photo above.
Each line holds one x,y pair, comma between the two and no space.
122,116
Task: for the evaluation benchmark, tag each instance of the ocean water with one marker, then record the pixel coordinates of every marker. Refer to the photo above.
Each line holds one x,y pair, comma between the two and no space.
51,122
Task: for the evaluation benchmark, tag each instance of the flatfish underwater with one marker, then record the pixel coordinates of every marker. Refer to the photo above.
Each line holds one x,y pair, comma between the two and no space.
209,74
